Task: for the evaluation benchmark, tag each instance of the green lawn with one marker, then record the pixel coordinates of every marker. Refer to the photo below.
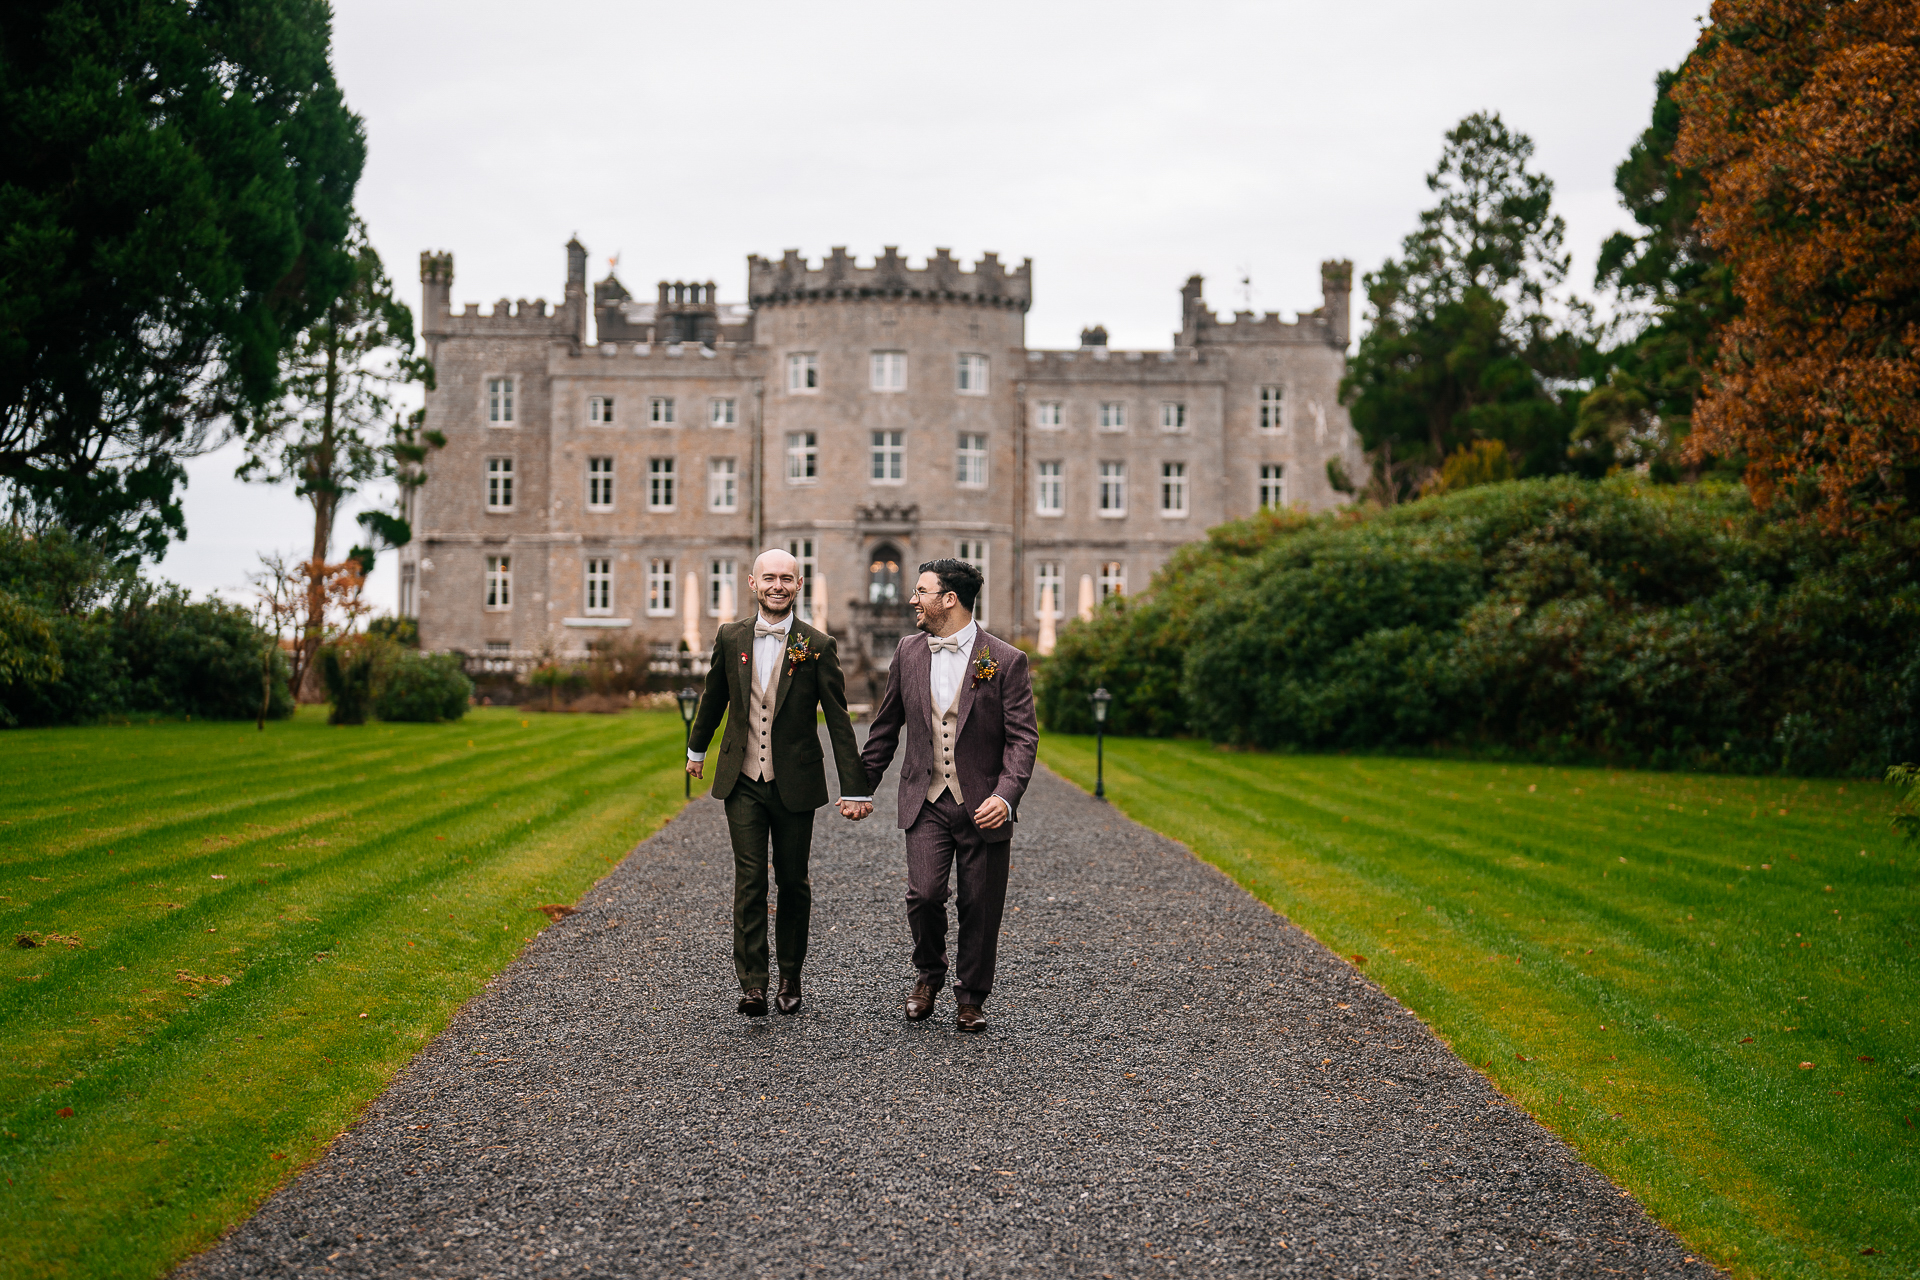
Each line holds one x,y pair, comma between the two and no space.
244,935
1647,962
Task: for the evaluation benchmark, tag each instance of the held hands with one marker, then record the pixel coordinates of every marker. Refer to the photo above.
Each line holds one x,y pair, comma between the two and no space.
993,812
854,810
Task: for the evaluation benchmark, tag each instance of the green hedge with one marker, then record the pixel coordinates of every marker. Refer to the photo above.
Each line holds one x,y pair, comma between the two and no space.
422,687
1620,621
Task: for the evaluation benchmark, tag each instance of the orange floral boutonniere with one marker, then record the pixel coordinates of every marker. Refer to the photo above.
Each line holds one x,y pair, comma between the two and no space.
800,651
985,668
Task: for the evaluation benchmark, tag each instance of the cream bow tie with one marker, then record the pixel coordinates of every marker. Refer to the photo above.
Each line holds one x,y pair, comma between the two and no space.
761,630
944,644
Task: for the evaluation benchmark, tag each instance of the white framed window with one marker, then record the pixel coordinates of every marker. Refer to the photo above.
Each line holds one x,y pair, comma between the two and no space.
1047,575
803,372
599,585
970,460
1113,415
974,552
801,549
659,588
409,589
970,375
1173,489
1273,485
1113,489
723,411
720,576
600,410
723,484
887,371
499,402
599,484
803,457
1273,408
499,484
1173,415
887,457
1113,579
1050,488
660,477
1049,415
499,582
660,411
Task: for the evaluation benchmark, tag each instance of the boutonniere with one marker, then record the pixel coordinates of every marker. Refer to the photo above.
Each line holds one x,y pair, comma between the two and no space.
984,667
800,651
746,656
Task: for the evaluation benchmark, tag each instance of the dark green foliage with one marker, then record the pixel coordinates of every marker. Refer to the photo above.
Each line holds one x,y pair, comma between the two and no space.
1618,621
29,655
404,632
347,670
423,687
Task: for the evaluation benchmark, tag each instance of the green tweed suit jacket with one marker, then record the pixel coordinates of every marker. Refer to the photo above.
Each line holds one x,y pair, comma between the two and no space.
809,678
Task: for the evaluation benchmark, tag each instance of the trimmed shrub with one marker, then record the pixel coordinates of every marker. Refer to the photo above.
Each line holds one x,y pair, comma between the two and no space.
347,671
422,687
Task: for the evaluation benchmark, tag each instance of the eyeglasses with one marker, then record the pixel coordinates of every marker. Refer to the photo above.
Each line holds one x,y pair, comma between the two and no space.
931,595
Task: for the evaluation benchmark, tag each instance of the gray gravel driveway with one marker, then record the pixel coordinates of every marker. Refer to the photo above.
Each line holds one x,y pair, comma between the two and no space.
1175,1081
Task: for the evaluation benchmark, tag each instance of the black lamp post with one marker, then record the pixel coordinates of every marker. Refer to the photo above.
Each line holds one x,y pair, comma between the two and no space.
1100,698
689,699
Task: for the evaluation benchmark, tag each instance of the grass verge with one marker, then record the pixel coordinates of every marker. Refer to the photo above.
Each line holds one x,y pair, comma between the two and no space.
1706,985
243,936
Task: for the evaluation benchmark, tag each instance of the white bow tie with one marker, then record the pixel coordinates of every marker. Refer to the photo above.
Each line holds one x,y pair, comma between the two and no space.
944,644
761,630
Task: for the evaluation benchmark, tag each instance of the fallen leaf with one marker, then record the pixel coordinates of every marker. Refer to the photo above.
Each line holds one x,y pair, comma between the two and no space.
65,1111
555,912
1748,1040
1865,1058
1359,959
216,877
276,1156
1806,1066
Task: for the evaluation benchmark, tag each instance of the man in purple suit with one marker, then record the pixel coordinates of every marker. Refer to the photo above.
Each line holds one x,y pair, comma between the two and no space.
964,702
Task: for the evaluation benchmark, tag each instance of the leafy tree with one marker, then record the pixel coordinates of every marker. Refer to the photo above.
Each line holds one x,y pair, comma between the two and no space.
173,206
1470,334
1803,117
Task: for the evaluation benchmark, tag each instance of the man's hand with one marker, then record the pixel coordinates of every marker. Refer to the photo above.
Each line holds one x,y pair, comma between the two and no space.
695,768
993,812
855,809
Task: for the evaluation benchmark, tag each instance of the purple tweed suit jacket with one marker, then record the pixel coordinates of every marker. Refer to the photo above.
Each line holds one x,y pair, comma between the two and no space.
998,731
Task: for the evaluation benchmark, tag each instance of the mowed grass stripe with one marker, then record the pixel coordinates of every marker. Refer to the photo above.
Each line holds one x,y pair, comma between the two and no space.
185,1092
1477,902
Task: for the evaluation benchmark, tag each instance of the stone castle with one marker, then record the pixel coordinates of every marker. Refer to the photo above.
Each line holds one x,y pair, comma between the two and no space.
601,482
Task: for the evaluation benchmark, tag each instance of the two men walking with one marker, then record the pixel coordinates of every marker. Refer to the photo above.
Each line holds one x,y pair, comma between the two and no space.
961,704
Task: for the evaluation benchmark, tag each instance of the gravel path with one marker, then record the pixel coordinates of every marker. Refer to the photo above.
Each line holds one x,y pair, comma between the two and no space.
1174,1081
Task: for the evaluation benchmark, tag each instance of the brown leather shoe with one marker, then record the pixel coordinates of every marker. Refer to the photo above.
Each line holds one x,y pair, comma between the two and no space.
920,1002
753,1002
969,1019
787,1000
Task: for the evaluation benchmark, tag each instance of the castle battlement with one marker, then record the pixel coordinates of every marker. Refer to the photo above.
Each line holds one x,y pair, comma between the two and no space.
1099,362
509,318
942,279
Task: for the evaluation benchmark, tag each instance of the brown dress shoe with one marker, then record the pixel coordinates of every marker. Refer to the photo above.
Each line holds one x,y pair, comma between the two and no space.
920,1002
753,1002
787,1000
969,1018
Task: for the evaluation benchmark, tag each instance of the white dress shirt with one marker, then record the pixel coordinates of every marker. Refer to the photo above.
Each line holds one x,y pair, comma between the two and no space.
766,658
948,671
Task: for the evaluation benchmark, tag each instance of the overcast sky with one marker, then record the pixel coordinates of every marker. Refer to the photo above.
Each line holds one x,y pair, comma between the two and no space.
1122,147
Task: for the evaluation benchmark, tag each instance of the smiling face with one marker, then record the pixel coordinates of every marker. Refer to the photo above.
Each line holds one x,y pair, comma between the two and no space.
934,609
775,583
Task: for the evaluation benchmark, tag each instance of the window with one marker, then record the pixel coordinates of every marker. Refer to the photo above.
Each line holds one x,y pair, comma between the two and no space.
1113,488
499,582
723,484
889,371
1173,488
1049,415
599,585
660,588
409,589
500,402
499,484
723,413
721,586
599,484
801,549
659,484
1113,415
1050,494
970,460
600,410
884,571
1113,579
1173,416
1272,408
1048,577
803,372
970,376
1273,485
887,457
803,457
974,552
660,411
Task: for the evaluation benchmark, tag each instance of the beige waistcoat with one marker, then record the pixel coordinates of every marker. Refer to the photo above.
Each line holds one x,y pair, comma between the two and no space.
760,725
946,730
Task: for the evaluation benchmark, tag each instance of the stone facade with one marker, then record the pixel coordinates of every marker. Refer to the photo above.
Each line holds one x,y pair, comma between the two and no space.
868,418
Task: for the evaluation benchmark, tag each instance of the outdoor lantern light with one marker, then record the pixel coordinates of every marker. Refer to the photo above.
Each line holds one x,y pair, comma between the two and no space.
689,699
1100,698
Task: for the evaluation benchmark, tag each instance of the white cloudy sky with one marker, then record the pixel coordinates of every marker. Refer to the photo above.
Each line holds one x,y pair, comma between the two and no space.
1121,146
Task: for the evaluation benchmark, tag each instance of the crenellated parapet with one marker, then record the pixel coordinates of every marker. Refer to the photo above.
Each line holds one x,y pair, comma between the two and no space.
1328,324
792,279
508,318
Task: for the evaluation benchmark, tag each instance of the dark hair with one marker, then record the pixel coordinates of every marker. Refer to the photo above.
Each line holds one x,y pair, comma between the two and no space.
959,577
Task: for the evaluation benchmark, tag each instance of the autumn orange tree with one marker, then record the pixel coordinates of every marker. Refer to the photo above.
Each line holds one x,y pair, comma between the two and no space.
1804,118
